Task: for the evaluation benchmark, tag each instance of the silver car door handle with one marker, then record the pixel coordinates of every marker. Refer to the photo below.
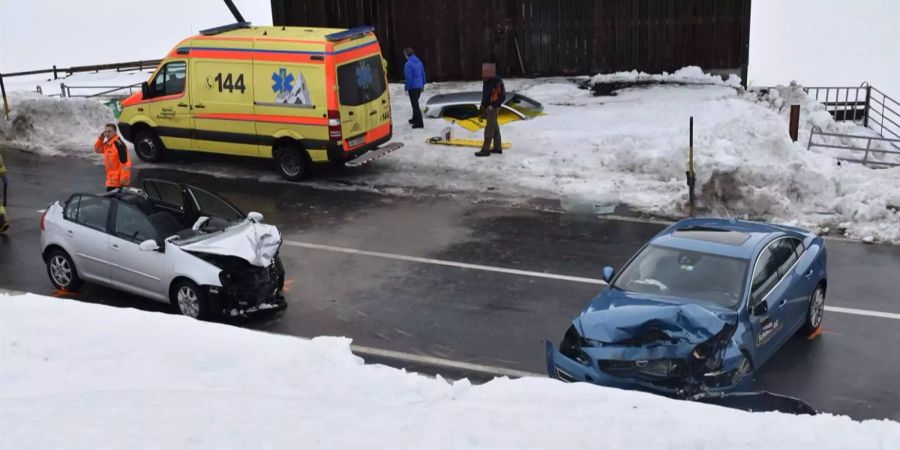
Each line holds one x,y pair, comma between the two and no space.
70,233
114,246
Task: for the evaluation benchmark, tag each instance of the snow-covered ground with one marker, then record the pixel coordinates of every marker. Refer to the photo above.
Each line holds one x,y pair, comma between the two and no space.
629,149
85,376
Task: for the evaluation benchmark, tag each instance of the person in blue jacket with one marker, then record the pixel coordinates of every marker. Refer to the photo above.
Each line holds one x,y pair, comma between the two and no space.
414,73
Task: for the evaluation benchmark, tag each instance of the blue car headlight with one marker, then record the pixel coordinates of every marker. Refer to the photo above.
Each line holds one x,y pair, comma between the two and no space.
570,346
726,377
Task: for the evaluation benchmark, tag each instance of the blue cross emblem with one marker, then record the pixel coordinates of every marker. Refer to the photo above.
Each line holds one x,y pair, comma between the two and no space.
282,81
363,75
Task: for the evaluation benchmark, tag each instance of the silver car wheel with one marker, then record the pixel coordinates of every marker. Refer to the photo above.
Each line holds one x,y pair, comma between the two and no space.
188,302
61,271
817,308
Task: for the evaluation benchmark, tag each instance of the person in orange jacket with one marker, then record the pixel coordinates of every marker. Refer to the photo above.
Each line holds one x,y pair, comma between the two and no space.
115,158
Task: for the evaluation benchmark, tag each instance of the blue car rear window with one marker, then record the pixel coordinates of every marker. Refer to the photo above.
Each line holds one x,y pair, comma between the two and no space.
685,274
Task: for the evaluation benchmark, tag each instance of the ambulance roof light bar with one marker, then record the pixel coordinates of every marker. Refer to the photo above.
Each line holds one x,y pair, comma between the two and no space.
352,33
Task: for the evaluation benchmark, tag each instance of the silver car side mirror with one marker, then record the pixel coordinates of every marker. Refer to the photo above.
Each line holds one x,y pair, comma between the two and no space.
148,246
255,217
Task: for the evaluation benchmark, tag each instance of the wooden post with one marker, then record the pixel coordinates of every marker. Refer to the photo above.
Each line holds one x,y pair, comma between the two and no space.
866,115
794,124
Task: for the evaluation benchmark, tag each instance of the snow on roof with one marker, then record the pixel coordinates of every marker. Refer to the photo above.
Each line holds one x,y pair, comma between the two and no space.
78,375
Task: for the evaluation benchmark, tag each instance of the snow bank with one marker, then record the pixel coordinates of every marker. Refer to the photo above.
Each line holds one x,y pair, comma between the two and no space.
77,375
631,149
54,126
685,75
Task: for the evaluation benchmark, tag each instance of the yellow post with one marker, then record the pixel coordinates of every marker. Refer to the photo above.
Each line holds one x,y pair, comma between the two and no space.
690,171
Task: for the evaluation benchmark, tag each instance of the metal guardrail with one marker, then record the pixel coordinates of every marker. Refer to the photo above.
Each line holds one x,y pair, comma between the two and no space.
66,91
867,150
864,105
118,67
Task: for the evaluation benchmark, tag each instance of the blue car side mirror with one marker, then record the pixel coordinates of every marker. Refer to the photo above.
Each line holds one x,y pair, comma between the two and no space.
608,273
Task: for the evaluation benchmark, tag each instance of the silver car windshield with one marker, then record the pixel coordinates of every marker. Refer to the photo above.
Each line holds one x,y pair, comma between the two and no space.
686,274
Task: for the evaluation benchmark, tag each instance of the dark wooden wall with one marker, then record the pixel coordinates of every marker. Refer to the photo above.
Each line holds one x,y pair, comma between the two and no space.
554,37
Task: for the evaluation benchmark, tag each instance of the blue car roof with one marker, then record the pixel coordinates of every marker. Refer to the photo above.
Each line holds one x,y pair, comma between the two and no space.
726,237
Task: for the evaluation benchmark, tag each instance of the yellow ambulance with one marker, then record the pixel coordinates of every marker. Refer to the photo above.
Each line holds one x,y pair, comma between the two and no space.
297,95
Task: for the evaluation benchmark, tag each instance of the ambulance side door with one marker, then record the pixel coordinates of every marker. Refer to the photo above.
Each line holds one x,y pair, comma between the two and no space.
170,105
290,97
223,107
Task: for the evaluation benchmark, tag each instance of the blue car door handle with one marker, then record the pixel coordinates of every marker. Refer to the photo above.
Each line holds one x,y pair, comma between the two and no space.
782,303
808,274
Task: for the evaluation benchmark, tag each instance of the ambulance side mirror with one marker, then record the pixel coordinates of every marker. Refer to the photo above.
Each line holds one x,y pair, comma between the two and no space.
145,90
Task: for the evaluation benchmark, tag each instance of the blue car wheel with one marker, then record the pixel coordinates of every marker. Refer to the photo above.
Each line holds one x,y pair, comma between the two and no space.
816,310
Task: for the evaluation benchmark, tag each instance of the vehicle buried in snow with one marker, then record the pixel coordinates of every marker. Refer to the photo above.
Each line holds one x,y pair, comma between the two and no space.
169,242
697,310
465,105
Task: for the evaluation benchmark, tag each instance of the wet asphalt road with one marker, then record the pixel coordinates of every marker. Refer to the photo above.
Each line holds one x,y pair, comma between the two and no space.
470,315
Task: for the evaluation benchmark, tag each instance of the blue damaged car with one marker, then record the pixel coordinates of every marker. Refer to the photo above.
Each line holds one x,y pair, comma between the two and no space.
697,310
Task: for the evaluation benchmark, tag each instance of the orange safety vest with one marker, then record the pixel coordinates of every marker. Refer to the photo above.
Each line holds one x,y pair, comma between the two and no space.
118,174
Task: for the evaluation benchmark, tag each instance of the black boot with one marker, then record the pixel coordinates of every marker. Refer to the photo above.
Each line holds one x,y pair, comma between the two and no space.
483,153
498,151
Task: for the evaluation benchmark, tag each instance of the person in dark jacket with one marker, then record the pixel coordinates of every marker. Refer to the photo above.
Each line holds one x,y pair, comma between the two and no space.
493,93
414,73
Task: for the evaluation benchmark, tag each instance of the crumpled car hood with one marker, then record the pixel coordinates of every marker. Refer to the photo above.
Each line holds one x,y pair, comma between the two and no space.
617,316
258,243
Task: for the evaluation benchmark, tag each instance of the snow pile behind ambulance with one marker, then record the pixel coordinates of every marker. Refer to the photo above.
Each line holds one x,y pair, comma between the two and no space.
78,375
54,126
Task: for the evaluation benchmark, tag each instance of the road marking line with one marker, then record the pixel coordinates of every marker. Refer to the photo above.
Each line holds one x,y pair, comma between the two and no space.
862,312
527,273
440,262
442,362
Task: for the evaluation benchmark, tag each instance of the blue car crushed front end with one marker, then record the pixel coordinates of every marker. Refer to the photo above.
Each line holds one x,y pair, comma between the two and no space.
649,344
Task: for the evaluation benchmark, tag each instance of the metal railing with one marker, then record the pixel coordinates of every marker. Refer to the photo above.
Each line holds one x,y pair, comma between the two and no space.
867,150
843,103
118,67
66,91
866,106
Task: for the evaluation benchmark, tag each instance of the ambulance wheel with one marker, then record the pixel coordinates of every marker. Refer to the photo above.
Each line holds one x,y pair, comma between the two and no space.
148,147
292,163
